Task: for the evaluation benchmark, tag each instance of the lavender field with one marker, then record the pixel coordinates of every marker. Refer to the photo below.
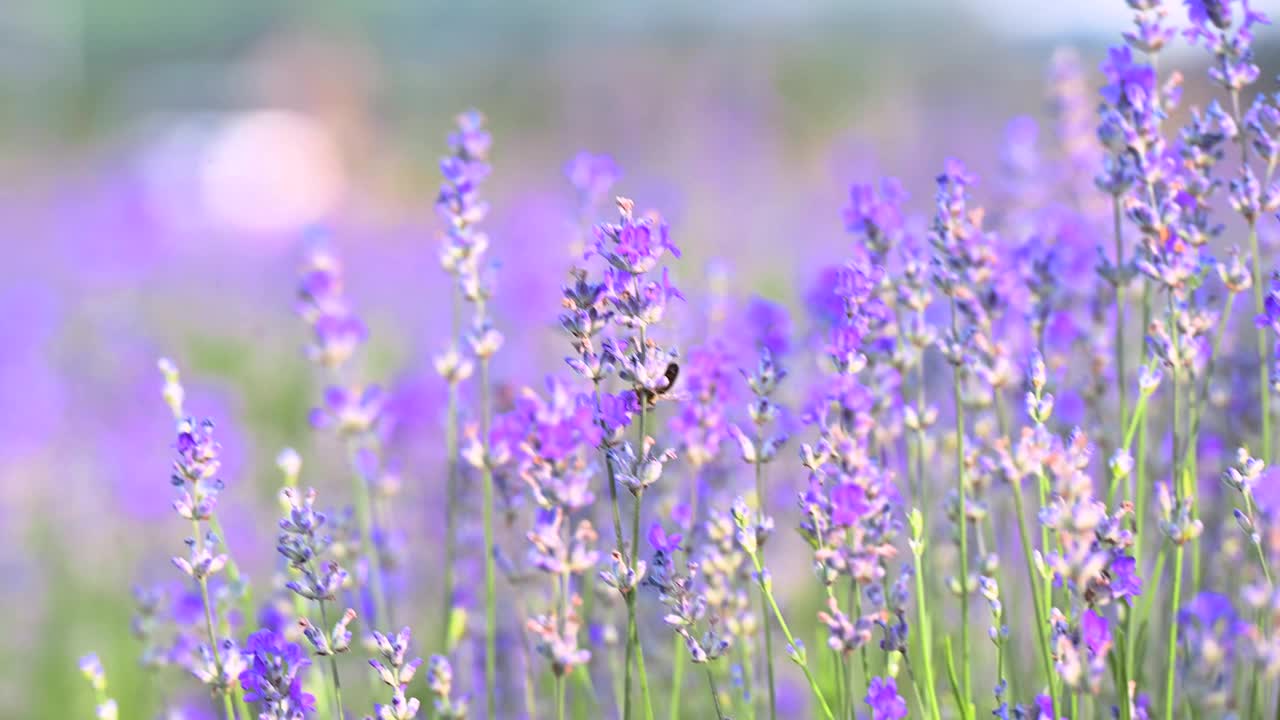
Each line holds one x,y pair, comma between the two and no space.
749,361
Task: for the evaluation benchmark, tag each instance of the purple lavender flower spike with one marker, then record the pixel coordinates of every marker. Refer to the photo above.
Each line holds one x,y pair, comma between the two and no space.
273,678
884,700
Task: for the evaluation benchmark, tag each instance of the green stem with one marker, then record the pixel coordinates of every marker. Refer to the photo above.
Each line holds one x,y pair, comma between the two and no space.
862,651
490,568
1259,306
213,645
1123,667
715,694
1122,380
1173,635
1140,477
450,517
1252,510
965,663
1042,623
677,677
767,626
791,641
238,580
333,667
208,623
748,684
364,516
634,648
915,689
926,631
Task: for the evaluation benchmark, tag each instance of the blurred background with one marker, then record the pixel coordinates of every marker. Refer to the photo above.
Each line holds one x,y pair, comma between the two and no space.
161,162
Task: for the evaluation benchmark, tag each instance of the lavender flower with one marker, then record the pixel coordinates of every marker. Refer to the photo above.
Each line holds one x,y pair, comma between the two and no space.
91,668
440,682
884,700
273,678
396,672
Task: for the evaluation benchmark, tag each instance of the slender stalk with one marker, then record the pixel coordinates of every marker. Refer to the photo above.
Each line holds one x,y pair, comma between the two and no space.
559,697
634,649
1252,511
1148,605
715,694
926,631
614,673
850,700
243,592
677,677
587,692
364,516
862,651
213,643
1042,623
965,663
333,667
490,569
208,623
1122,380
1140,477
625,697
748,685
767,625
962,705
840,663
450,517
791,641
915,689
640,671
677,647
1255,267
1264,376
562,592
1173,635
1122,667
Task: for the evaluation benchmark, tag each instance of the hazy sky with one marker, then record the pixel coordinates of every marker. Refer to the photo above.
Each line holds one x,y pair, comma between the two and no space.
1067,17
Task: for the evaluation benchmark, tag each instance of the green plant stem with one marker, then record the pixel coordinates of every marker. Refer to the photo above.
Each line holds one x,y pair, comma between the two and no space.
915,690
582,699
1259,306
1123,667
926,631
677,677
1252,510
634,648
1042,623
333,666
862,651
965,663
765,622
364,516
559,697
243,593
715,694
962,705
227,706
1122,380
208,620
1173,635
839,663
1140,477
450,516
791,641
490,568
748,685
